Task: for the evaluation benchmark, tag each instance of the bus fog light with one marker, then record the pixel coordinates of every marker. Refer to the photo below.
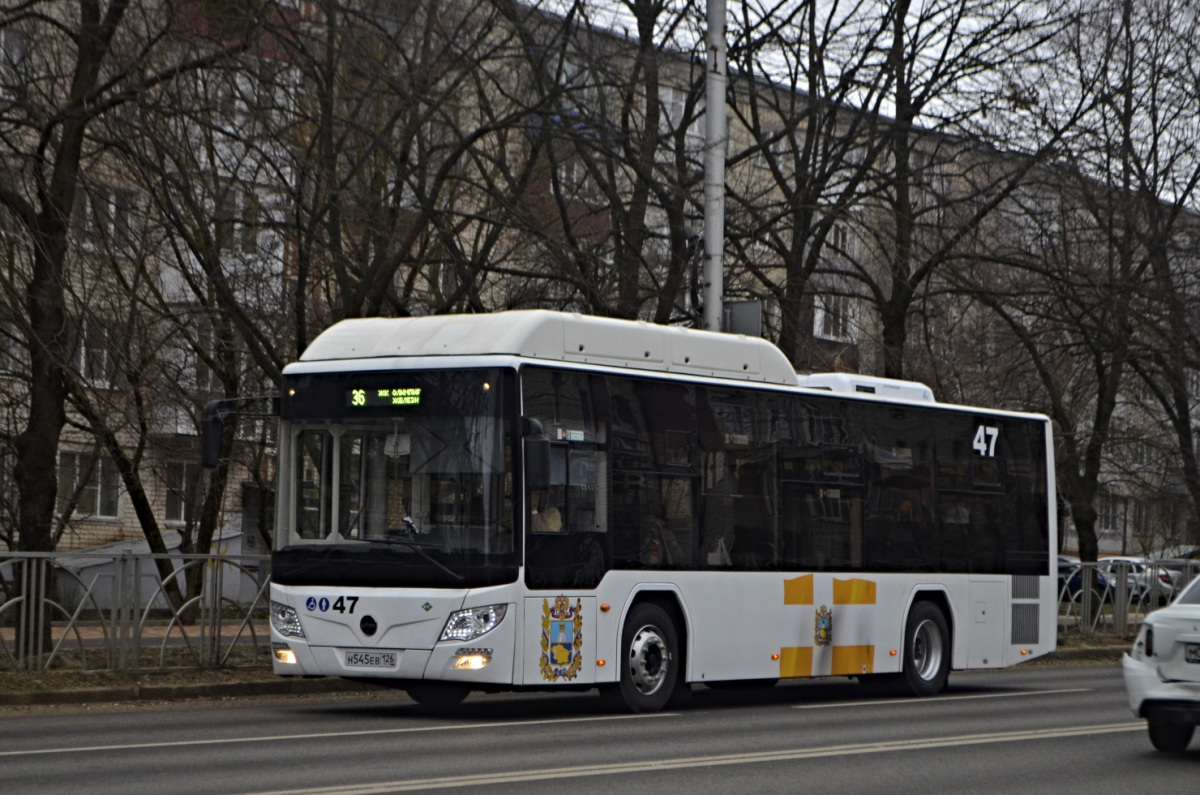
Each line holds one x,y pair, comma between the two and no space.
286,620
470,624
472,659
283,653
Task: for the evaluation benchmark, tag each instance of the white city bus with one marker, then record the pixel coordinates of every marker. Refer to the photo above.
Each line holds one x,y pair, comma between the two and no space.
533,499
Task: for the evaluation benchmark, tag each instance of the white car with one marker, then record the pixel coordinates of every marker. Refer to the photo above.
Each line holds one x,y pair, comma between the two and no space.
1162,671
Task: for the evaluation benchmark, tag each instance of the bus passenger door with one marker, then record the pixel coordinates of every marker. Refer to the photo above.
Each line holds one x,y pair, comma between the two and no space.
560,640
986,634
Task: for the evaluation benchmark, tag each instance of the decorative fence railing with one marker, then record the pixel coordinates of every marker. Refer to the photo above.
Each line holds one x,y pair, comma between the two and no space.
1114,598
117,611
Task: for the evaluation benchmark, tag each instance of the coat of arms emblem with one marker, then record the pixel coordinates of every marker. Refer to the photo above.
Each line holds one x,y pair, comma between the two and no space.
823,634
562,639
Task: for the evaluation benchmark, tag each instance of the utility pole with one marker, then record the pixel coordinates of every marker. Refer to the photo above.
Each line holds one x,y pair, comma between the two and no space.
714,167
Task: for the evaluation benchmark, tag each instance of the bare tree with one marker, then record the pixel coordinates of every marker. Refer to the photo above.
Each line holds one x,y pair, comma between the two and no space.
615,93
809,93
1150,117
86,69
399,167
1133,157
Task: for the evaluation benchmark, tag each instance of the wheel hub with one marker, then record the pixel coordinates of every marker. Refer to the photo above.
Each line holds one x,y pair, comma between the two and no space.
927,650
648,660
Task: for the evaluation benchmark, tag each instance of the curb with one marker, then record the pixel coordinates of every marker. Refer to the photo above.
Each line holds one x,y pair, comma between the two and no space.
1098,653
270,687
291,686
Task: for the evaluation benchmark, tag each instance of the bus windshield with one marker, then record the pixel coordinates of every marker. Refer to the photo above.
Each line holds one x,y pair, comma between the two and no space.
399,478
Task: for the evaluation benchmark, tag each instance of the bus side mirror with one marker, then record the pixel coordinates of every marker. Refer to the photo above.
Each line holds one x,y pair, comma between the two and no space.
212,425
212,428
536,449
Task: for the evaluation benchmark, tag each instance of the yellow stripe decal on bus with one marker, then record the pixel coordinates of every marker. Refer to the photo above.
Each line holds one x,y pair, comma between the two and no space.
853,592
851,660
795,661
798,591
828,626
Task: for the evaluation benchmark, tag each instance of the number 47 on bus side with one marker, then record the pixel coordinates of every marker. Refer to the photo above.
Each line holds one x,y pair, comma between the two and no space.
985,440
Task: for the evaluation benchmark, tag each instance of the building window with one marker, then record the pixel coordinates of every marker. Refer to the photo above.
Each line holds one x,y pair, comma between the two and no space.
89,480
237,219
1111,514
8,488
10,349
258,429
573,176
182,481
773,148
108,215
95,355
12,61
833,318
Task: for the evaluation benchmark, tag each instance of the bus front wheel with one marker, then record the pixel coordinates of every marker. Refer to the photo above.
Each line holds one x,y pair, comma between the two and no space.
649,661
926,650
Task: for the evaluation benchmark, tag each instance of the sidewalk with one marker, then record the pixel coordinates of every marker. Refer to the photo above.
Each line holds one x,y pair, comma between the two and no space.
19,689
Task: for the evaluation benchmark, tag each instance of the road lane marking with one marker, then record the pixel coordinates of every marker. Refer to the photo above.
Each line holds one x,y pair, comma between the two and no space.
624,768
943,698
327,735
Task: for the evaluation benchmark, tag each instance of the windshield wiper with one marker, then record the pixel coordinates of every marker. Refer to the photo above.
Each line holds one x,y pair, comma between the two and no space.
417,547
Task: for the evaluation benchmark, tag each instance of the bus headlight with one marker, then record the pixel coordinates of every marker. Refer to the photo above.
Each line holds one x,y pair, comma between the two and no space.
472,659
286,620
470,624
283,653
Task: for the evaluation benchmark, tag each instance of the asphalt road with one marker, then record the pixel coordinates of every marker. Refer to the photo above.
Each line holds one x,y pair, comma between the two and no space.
1061,730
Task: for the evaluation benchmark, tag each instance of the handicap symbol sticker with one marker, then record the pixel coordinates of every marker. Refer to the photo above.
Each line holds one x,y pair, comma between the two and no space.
311,604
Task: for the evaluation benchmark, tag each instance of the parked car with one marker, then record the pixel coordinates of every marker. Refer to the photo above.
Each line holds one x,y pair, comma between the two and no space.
1182,570
1070,580
1162,671
1146,580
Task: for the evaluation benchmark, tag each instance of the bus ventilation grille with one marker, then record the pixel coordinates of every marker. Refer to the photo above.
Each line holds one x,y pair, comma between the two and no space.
1025,587
1025,624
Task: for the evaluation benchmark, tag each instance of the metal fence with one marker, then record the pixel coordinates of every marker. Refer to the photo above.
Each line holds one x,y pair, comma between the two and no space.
116,610
1114,597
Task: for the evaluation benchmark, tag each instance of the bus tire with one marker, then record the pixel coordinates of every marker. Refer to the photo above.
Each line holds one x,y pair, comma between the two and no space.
1172,738
437,695
649,660
926,650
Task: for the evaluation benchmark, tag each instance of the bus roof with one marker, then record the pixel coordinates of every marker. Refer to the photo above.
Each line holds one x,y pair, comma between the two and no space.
557,336
869,385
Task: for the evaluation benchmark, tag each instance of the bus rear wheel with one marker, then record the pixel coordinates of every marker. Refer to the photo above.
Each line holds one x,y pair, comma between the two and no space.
649,661
437,695
926,650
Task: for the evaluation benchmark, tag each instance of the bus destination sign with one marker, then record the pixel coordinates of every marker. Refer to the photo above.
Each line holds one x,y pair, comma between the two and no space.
367,398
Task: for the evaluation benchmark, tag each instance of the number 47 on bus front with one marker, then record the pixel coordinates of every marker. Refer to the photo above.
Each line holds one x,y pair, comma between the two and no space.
985,440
